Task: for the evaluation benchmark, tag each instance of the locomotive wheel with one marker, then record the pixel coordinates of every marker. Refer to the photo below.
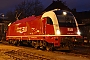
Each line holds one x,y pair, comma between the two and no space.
49,47
35,44
71,46
9,42
18,43
15,43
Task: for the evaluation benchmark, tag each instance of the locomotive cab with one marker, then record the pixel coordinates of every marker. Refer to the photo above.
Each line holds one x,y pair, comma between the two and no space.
63,26
63,22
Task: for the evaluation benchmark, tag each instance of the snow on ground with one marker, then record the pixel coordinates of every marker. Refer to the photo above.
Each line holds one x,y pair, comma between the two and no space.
8,52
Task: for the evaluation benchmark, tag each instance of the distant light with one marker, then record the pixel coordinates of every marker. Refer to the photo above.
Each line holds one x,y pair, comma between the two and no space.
64,13
2,15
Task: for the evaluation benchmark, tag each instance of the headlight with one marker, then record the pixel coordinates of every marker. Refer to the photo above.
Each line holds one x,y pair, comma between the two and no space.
58,32
78,32
64,13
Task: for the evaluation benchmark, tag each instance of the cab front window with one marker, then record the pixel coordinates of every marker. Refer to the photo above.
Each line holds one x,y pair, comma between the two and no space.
65,18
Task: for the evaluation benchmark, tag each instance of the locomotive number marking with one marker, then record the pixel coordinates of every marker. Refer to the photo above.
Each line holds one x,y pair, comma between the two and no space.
69,29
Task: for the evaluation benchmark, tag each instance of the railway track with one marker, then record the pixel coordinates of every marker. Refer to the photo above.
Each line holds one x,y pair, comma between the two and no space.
25,55
22,55
81,51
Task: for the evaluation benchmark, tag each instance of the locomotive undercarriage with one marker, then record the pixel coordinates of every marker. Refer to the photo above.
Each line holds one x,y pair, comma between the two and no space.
66,43
38,44
41,44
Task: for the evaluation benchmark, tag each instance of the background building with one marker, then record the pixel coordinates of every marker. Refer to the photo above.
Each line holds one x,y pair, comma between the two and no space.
3,26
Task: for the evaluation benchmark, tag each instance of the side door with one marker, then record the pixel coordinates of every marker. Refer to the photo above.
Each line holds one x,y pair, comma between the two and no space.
49,27
44,21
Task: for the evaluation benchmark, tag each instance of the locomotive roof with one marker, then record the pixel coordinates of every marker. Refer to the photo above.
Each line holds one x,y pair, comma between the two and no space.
27,19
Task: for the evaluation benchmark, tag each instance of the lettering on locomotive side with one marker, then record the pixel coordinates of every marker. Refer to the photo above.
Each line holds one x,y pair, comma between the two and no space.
21,29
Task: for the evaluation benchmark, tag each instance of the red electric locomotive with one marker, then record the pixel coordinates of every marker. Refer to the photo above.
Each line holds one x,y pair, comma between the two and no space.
53,29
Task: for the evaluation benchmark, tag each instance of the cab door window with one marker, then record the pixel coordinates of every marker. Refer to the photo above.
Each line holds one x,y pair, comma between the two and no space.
49,21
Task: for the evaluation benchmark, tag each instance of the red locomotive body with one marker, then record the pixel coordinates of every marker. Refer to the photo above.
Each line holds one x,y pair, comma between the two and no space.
54,29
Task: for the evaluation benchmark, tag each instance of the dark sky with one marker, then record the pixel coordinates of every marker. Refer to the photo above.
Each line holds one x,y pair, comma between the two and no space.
80,5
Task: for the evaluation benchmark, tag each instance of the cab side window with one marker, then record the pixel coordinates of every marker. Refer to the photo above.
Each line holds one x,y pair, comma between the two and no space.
49,21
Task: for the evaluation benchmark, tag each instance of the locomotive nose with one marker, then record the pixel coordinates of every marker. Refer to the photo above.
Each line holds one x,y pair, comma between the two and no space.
68,31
